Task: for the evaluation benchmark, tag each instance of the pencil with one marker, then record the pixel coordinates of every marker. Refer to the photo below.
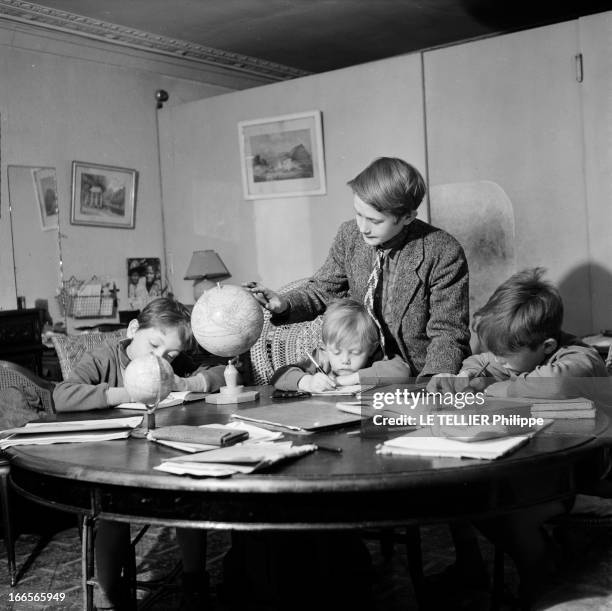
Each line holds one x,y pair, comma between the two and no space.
482,371
329,449
319,369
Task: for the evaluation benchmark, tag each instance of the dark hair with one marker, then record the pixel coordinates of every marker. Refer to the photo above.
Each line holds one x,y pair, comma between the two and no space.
168,313
347,320
524,311
390,185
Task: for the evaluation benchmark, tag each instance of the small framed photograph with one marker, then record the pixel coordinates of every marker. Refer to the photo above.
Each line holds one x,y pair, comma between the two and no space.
144,281
103,195
45,187
282,156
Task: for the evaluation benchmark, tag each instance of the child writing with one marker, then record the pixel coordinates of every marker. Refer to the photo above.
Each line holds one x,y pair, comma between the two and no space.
526,355
526,352
162,328
350,355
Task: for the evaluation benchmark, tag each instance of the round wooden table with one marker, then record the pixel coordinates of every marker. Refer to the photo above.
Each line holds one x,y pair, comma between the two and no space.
358,488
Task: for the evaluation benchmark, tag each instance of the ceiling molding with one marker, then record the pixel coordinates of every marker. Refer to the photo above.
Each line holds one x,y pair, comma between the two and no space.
34,14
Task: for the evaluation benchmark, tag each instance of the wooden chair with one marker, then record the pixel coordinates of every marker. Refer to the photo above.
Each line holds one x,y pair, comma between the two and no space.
70,348
12,375
284,344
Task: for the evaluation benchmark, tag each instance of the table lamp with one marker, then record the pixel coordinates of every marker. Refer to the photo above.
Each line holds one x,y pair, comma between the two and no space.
205,269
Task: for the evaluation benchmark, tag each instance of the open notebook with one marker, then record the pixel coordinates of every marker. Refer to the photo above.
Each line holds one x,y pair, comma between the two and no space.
174,398
303,416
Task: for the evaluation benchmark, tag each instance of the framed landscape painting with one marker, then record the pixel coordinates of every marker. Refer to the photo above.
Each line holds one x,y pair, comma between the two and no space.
103,195
282,156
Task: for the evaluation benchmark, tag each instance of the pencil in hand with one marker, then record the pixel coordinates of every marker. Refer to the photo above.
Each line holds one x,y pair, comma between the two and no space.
319,369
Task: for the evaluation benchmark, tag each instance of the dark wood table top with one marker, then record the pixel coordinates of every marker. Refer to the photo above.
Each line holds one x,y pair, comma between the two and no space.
356,488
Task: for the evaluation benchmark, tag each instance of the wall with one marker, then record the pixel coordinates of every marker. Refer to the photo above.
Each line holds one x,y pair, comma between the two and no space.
63,99
369,110
596,45
508,110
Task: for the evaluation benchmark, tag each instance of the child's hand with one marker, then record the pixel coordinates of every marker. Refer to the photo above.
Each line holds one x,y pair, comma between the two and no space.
479,384
447,382
318,382
270,300
199,382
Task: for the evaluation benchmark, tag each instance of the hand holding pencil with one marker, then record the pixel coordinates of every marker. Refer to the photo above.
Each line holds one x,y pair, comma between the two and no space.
318,382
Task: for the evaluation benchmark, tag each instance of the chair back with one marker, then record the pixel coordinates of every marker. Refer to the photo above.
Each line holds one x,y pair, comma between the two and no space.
609,360
70,348
282,345
13,375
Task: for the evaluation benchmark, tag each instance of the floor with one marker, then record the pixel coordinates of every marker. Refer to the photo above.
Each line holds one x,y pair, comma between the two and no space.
584,582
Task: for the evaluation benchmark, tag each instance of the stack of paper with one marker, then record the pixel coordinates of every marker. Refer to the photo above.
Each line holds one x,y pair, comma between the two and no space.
241,458
78,431
174,398
563,408
424,443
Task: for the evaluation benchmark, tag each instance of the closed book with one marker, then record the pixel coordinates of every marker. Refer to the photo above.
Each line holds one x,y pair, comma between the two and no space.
563,408
558,405
209,435
569,414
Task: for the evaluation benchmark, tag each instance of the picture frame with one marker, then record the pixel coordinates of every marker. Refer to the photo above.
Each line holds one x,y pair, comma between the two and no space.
144,281
45,187
282,156
103,195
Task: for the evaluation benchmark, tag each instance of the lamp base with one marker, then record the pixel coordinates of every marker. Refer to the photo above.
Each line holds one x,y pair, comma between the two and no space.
200,286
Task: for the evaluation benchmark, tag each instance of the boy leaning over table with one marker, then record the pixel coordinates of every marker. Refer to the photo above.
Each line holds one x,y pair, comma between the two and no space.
526,355
162,328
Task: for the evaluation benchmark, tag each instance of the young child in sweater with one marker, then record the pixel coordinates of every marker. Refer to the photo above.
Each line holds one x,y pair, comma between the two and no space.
162,328
350,355
526,354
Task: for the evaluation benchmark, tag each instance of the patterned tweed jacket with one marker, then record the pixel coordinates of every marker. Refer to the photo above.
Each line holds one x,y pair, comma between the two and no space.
428,317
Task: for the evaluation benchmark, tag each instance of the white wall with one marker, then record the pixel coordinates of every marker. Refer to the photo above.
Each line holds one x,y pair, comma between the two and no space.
508,110
368,111
596,46
62,99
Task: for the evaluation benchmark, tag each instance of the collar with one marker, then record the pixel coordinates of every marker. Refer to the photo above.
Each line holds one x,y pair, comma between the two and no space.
396,242
124,359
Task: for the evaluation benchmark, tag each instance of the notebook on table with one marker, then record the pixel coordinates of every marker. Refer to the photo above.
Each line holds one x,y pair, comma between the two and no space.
301,416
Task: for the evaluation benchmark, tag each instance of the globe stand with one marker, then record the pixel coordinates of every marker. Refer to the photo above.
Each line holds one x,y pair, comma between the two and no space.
232,392
150,420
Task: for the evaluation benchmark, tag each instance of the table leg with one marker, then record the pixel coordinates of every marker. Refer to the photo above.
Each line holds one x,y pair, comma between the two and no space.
87,561
7,523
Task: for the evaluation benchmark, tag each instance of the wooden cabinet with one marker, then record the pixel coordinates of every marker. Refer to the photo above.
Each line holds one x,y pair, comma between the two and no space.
20,338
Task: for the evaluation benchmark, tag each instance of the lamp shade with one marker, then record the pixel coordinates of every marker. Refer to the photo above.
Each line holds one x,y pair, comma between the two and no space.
206,264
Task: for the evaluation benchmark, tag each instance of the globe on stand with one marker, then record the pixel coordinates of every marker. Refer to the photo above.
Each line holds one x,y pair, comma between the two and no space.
148,379
227,320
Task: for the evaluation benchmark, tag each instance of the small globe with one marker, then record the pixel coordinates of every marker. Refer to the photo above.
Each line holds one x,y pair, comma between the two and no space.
148,379
226,320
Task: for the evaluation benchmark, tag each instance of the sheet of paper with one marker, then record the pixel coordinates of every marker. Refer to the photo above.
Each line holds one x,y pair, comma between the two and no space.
421,444
345,390
76,425
47,439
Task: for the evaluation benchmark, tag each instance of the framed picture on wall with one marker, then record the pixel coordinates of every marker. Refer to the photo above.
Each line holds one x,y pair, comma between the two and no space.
45,188
282,156
103,195
144,281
